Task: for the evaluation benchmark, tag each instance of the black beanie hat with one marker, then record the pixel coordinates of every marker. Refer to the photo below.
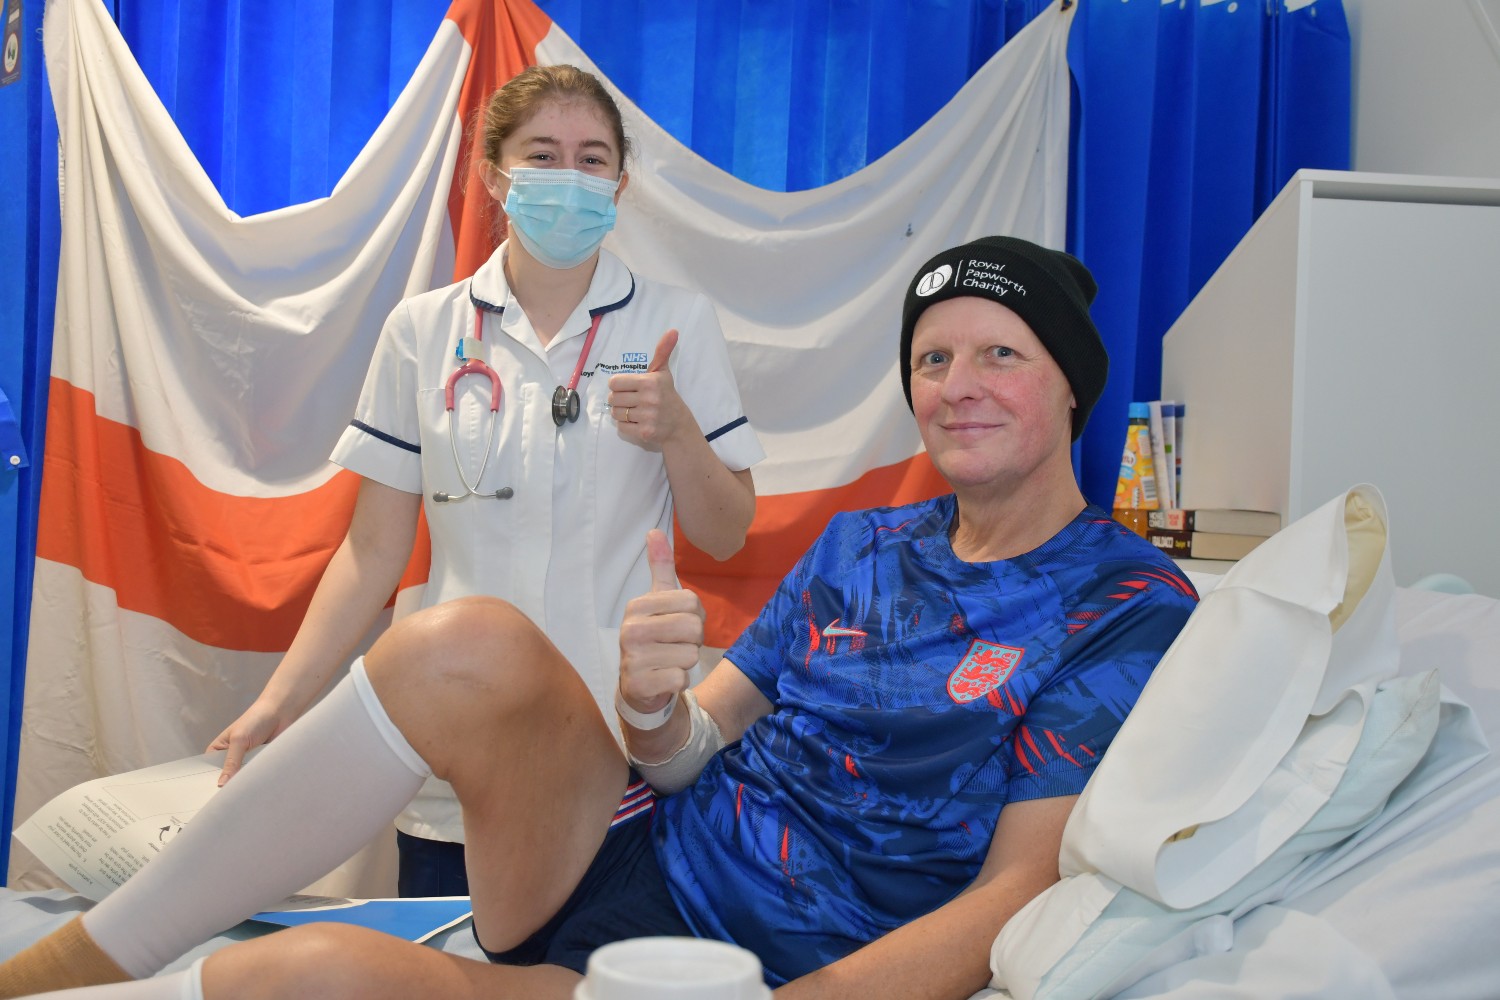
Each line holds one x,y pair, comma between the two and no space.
1049,289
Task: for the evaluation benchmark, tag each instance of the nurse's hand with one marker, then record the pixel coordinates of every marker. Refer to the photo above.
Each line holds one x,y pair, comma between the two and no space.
261,723
661,634
646,406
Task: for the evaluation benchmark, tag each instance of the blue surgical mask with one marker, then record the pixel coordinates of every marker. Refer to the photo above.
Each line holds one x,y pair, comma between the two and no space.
560,216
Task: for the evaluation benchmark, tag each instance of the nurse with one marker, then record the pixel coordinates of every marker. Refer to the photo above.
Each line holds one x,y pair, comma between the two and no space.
543,415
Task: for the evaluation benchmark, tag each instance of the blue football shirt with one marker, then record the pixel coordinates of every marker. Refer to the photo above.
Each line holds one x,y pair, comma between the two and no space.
914,696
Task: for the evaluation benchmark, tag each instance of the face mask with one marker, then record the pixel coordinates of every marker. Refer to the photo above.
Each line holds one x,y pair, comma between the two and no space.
560,216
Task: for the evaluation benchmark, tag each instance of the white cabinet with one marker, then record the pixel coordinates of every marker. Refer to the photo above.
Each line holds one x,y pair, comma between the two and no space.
1354,336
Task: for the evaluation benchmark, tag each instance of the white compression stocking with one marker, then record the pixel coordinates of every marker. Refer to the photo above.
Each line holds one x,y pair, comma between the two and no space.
309,800
184,985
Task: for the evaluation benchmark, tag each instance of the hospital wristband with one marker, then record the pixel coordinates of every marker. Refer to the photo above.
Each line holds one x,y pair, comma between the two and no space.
644,721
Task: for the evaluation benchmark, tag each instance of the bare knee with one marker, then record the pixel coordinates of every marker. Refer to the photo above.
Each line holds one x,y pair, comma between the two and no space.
319,960
451,675
477,644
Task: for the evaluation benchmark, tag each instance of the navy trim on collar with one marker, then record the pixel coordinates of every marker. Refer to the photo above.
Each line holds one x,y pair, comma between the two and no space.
620,304
475,300
601,310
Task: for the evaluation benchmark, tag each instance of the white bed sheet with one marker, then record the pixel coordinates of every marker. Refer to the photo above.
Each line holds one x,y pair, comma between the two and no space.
1416,915
1421,899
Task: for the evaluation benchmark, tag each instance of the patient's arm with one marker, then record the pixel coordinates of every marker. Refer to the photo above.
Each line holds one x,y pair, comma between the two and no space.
945,954
678,756
660,640
732,699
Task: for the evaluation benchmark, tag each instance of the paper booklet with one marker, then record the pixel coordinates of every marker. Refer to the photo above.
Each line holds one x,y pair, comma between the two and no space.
412,919
96,835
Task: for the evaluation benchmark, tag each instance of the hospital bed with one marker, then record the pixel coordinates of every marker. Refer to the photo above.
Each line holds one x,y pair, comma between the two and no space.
1406,904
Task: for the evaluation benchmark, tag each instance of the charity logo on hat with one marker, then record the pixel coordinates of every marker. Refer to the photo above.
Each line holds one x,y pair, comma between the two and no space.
934,280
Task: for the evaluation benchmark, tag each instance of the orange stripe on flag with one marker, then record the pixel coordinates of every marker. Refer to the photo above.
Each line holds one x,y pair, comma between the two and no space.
502,37
734,591
227,571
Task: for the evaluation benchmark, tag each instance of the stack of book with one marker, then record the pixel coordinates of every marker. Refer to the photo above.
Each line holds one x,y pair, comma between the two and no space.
1149,490
1209,533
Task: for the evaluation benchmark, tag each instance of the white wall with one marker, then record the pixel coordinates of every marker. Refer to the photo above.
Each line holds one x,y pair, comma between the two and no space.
1317,357
1426,86
1426,91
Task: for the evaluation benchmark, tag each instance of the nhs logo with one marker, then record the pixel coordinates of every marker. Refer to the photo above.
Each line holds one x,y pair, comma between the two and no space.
633,358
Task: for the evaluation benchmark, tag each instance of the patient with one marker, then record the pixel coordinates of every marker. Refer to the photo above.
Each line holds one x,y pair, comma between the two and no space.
867,786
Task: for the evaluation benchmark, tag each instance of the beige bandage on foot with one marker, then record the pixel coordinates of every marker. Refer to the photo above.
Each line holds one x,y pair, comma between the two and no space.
65,958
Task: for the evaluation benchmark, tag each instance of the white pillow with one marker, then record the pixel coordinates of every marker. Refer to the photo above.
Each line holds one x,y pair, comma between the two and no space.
1133,936
1176,809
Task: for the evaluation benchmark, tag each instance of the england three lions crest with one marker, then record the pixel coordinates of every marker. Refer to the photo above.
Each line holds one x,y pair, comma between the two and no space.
984,668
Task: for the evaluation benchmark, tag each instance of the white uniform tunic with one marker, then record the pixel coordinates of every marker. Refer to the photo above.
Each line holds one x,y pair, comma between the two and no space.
568,548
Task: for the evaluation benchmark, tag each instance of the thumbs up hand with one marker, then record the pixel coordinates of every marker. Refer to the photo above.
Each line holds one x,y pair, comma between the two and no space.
661,634
645,405
663,564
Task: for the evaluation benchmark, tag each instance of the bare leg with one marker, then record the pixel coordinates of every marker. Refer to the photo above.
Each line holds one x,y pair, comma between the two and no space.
475,691
539,776
333,962
537,770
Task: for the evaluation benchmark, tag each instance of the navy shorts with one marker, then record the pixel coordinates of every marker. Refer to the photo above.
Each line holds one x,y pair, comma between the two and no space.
623,894
430,867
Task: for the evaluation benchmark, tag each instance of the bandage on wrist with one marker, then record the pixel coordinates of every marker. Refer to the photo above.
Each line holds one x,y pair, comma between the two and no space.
683,767
644,721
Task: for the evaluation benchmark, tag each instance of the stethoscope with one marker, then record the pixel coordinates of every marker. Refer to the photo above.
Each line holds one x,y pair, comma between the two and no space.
566,405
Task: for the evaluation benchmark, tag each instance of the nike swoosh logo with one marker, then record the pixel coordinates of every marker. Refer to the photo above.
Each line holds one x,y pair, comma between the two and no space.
834,628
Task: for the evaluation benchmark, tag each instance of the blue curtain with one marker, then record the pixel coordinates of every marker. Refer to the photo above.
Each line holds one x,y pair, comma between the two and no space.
1189,117
276,100
789,95
28,224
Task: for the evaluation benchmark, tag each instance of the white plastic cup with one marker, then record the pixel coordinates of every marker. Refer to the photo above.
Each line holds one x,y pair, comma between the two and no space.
672,968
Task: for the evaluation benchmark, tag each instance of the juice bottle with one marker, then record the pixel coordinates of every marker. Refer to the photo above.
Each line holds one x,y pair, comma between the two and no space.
1136,487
